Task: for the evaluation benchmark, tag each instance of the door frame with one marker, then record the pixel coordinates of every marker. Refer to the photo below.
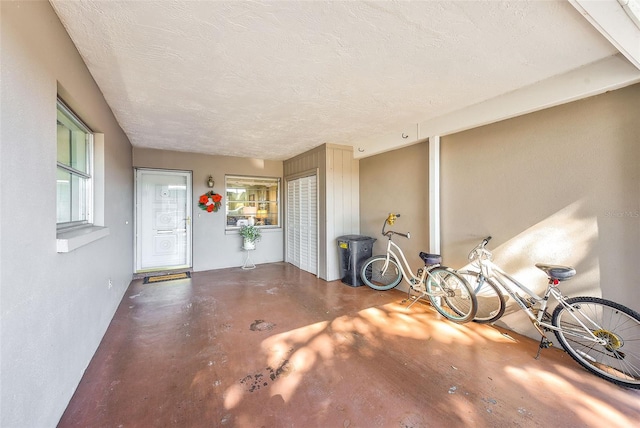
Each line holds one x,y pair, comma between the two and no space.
189,215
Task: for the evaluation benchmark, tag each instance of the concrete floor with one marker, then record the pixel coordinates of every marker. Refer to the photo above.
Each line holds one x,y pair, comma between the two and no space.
276,347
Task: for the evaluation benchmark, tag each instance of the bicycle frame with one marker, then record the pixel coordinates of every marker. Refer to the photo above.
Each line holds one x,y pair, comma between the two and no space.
508,283
402,263
415,282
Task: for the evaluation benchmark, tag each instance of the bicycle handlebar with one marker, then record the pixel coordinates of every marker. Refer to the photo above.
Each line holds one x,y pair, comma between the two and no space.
390,220
479,249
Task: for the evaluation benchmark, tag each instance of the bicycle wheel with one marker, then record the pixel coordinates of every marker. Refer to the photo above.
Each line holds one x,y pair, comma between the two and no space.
491,304
451,295
618,360
374,274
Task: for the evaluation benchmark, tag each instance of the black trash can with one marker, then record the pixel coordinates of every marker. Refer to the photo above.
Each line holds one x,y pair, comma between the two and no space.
353,250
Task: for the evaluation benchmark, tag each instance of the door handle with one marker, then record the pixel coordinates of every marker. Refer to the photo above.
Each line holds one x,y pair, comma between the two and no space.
164,231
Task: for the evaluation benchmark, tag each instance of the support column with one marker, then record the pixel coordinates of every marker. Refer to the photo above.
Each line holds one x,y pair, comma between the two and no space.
434,194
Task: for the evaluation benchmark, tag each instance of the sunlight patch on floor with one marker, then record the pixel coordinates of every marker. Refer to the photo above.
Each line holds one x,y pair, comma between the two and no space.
561,389
364,333
232,396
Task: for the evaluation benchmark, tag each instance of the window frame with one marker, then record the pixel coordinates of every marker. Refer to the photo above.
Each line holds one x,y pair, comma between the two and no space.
88,176
277,181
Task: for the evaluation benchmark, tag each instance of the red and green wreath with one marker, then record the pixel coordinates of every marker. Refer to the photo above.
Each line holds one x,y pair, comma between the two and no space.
210,201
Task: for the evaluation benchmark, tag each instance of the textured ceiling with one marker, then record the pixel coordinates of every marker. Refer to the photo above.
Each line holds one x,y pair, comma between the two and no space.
274,79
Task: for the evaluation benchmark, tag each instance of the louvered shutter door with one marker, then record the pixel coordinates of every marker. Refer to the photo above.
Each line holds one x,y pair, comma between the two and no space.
302,223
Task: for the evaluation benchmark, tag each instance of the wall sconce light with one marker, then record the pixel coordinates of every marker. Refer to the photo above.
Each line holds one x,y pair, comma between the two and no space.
210,181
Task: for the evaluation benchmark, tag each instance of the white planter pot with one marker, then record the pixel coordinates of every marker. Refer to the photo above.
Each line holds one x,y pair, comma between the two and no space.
249,245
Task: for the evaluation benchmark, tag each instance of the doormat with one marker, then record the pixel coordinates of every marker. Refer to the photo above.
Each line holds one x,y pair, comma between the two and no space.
168,277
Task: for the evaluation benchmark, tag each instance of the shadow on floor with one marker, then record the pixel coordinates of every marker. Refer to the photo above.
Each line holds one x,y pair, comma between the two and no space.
277,347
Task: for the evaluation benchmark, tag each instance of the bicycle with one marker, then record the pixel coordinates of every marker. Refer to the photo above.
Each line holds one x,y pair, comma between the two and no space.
449,294
601,335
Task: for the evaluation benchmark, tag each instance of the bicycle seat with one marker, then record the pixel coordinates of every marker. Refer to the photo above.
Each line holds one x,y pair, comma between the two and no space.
430,259
561,273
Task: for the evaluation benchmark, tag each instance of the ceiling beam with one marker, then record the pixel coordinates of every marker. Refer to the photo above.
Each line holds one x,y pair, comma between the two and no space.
617,21
608,74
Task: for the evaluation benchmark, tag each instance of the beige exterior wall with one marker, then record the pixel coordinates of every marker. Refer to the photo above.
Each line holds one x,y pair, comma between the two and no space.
558,186
55,307
213,247
398,182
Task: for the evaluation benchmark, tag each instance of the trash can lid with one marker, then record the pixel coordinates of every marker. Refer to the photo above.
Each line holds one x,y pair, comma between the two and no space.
355,238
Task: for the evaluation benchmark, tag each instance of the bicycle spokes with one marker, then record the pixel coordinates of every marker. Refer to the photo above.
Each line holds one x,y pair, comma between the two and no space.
610,349
451,295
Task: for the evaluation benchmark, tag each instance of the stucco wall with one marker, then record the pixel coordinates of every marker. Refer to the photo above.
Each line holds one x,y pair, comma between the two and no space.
213,248
55,307
557,186
398,182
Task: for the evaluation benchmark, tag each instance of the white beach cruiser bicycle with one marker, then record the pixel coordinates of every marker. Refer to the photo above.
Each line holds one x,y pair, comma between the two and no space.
601,335
449,293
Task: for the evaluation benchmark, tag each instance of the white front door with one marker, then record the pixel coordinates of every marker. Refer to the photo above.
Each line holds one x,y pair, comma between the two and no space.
163,219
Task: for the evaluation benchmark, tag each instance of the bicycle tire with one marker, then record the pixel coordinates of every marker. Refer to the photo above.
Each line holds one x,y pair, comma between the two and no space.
617,361
372,273
458,304
491,302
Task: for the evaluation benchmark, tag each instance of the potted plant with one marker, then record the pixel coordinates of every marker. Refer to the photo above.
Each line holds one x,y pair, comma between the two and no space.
250,234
